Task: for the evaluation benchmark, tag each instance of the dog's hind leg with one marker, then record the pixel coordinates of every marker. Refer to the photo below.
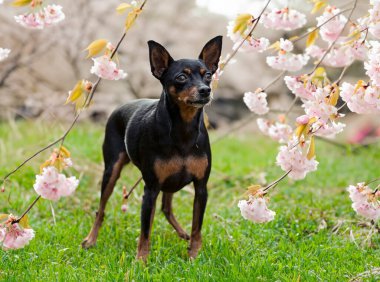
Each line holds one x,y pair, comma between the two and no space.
168,212
115,157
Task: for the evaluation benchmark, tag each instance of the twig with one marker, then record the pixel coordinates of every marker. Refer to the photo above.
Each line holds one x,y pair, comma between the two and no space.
62,138
133,188
256,20
27,210
333,43
274,183
87,102
322,24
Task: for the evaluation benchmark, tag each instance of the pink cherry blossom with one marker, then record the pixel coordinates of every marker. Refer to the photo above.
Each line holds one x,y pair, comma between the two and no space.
286,45
287,61
318,107
4,53
331,30
256,102
361,100
13,236
359,50
373,21
47,16
373,64
280,132
299,87
124,208
328,130
256,210
291,157
53,14
284,19
304,119
52,185
107,69
364,201
263,125
338,57
252,45
33,20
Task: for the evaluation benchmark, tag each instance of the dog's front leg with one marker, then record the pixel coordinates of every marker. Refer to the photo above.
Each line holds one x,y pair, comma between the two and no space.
147,215
200,201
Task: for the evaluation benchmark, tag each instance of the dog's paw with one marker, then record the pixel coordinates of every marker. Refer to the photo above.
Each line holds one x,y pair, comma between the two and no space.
88,242
194,248
184,236
142,256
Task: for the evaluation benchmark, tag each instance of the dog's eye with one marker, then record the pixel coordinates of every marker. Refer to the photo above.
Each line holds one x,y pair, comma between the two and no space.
181,78
208,76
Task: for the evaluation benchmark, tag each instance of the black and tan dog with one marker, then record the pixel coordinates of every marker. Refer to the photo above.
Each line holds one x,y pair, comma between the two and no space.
166,139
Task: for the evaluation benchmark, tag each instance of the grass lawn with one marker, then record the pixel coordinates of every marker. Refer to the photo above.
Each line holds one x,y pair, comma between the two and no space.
315,236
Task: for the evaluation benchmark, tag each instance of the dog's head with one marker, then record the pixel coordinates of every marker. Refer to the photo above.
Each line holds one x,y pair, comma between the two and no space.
187,82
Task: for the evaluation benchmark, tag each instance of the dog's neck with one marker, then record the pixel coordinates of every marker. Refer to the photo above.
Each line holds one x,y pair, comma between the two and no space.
170,116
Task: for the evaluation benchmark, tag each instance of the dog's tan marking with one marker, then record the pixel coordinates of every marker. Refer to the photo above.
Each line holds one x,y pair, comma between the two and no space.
165,168
202,71
187,111
196,166
187,71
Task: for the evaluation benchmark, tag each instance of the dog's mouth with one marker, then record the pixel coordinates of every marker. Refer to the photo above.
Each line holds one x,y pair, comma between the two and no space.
199,102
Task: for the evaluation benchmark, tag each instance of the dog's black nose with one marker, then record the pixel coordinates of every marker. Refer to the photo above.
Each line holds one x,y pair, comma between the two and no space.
204,91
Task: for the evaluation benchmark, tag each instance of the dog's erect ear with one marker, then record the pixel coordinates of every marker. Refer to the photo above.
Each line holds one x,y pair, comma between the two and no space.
211,53
160,59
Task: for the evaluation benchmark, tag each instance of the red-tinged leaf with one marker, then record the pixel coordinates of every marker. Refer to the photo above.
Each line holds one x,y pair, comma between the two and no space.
318,5
96,47
241,23
3,217
311,38
123,7
75,93
64,152
311,151
300,130
131,18
24,222
20,3
253,189
334,95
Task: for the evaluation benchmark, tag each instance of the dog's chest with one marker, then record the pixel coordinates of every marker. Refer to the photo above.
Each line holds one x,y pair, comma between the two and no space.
183,169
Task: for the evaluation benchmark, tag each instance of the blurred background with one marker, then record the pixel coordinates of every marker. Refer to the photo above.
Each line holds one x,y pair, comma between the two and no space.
45,64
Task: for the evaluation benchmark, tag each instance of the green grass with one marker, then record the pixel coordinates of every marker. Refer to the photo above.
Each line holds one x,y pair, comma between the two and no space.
290,247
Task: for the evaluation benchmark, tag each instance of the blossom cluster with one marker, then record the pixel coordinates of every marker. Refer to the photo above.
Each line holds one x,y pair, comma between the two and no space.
45,16
255,208
13,235
365,202
4,53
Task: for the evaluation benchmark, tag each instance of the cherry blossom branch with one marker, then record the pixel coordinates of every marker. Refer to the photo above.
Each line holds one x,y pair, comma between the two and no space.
274,183
373,181
336,39
319,26
256,21
248,119
62,138
27,210
87,103
274,80
133,188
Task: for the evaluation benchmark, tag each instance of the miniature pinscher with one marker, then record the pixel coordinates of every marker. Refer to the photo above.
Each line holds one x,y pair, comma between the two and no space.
166,139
